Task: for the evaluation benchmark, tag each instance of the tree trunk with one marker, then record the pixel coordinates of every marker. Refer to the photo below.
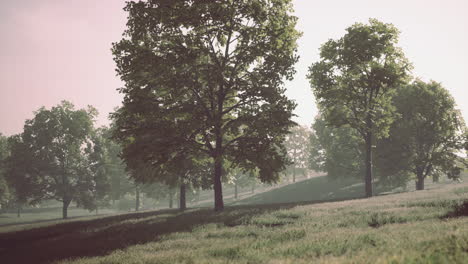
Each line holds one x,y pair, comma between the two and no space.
235,190
137,200
171,194
253,189
218,188
369,176
18,211
419,181
66,203
182,200
435,177
294,174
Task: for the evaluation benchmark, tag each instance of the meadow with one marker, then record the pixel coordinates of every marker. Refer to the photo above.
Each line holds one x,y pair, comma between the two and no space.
414,227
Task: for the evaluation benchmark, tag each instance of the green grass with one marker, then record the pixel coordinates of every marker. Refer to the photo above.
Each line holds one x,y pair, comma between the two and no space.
417,227
319,188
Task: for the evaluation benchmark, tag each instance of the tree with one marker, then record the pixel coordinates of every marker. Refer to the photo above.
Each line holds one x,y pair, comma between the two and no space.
20,166
355,79
5,193
339,151
335,150
430,130
119,180
205,79
239,179
55,141
297,146
97,160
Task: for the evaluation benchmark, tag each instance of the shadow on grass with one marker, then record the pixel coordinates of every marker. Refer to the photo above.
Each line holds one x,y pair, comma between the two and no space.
46,220
99,237
459,210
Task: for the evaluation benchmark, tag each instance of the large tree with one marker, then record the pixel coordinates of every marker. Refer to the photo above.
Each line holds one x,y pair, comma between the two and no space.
205,79
56,165
354,80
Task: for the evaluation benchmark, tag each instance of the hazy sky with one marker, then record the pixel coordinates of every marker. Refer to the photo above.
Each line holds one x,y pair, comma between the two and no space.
53,50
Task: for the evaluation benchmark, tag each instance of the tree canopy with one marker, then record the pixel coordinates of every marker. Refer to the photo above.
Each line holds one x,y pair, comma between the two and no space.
48,160
204,80
429,131
354,81
298,149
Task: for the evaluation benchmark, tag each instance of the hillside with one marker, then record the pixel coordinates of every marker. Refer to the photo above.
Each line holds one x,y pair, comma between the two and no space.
416,227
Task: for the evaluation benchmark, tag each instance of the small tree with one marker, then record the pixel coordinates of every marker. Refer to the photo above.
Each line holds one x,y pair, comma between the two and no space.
355,79
298,149
5,192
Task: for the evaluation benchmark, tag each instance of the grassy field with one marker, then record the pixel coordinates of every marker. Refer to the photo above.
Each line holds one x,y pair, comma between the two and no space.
416,227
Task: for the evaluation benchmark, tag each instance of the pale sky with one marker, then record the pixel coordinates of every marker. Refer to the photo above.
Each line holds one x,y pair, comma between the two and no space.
53,50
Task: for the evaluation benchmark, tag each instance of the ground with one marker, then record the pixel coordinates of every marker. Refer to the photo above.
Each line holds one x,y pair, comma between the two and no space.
414,227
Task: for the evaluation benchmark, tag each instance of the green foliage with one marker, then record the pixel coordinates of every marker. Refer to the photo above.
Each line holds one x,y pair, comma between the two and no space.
357,75
5,193
51,160
429,133
354,81
336,151
204,81
298,150
120,184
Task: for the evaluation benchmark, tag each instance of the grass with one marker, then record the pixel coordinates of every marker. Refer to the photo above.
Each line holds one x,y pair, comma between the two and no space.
45,215
417,227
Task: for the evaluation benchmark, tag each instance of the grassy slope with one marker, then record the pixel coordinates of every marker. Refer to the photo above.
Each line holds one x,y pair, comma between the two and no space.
416,227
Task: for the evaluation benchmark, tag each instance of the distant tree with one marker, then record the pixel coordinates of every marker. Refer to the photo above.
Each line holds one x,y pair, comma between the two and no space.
430,131
98,171
239,179
205,78
119,180
20,166
298,148
51,151
5,193
338,151
354,80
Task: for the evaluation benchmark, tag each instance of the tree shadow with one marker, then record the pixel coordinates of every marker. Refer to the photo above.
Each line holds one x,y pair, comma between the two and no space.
99,237
459,210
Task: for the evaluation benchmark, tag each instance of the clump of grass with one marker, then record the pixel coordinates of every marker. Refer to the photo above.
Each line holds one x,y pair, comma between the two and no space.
444,203
284,214
228,234
270,221
228,253
288,235
379,219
